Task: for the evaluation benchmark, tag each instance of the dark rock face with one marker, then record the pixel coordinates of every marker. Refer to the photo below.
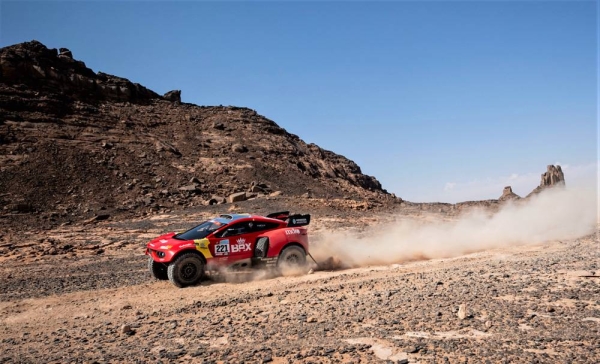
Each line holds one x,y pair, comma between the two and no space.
33,65
553,177
508,194
74,143
173,96
65,52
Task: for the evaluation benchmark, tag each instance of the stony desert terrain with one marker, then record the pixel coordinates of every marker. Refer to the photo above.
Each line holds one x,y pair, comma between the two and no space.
82,294
92,166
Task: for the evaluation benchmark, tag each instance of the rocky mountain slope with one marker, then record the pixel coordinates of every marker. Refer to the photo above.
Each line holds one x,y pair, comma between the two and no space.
75,144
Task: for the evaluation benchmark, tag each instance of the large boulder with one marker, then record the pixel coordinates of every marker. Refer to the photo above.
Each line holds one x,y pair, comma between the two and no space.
66,53
240,196
173,96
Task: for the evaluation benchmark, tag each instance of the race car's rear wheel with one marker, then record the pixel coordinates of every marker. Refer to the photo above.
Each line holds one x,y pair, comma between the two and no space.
291,260
157,270
186,270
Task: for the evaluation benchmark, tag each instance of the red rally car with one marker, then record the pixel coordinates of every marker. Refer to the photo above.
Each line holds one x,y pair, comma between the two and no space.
230,241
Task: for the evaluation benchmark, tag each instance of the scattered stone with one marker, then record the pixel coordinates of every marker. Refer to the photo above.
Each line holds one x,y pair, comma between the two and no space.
97,218
462,311
210,202
239,148
236,197
411,349
164,146
193,188
256,189
219,199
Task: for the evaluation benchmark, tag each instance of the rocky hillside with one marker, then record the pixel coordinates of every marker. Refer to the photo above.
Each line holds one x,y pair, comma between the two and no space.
75,144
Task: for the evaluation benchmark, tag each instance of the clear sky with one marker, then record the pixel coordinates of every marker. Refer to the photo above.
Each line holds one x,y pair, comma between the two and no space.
441,101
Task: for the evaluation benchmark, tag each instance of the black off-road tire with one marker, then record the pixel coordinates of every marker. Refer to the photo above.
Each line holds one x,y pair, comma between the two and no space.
291,260
157,270
186,270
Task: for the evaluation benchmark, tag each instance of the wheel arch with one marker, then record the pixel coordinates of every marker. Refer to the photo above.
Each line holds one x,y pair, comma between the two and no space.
292,243
186,251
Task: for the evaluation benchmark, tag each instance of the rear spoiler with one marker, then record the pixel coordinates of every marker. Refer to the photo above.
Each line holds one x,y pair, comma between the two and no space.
281,215
298,220
292,220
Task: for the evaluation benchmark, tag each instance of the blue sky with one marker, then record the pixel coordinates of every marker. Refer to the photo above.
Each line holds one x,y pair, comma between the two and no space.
441,101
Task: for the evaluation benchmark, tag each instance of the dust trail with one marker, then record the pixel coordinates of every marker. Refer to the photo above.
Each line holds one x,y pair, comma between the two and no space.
554,214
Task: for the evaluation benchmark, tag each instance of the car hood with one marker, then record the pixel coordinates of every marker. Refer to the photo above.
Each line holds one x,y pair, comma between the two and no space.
165,242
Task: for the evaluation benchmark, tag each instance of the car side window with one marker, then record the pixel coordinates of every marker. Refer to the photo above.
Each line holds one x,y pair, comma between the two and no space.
262,226
233,230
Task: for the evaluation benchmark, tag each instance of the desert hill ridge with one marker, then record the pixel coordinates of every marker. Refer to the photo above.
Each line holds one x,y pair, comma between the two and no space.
79,145
75,144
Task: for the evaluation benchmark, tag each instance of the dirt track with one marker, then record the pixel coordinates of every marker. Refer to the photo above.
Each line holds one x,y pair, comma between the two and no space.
523,305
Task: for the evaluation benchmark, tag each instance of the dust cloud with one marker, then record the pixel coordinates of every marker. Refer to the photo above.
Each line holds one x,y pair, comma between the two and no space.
554,214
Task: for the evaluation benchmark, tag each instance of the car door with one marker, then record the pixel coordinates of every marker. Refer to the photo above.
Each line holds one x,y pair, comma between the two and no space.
260,228
234,242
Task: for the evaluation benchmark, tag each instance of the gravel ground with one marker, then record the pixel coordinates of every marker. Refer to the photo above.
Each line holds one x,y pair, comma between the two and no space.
534,304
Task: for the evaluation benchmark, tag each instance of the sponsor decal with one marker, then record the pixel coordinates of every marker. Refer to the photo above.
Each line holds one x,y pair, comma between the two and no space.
222,247
292,231
202,247
240,246
298,221
165,247
162,241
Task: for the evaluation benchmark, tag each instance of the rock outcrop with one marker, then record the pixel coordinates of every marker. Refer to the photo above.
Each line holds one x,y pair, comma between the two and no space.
173,96
553,177
75,144
33,66
508,194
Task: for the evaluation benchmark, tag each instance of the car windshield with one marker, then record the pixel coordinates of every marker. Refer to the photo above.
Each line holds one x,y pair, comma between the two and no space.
201,231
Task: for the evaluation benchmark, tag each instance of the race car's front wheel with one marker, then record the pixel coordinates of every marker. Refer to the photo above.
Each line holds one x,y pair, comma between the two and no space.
291,260
157,270
186,270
